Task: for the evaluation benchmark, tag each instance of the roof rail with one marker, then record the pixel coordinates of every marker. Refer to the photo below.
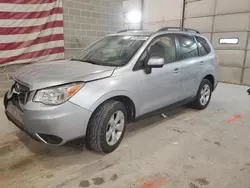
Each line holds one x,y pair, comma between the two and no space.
127,30
179,28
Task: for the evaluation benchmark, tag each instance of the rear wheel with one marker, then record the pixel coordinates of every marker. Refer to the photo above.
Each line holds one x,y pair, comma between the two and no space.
203,96
107,126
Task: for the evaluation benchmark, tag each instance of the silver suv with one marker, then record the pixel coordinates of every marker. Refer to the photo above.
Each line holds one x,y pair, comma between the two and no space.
119,79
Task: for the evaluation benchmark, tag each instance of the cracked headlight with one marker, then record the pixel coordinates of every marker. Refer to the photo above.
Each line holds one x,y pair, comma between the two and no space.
58,94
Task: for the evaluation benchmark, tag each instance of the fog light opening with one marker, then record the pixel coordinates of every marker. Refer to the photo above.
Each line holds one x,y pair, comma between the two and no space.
49,139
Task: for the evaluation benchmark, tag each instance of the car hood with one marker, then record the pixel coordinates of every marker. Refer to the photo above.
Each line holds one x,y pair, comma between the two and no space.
42,75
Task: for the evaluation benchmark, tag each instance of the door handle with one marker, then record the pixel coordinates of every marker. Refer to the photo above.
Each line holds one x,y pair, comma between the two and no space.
176,71
202,63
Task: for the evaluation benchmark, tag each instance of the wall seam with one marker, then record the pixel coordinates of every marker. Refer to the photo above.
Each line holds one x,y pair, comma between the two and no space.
142,14
246,50
63,13
240,31
224,49
213,21
183,13
217,14
232,83
233,66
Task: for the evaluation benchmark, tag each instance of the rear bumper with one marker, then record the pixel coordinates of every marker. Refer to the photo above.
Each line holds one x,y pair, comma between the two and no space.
54,125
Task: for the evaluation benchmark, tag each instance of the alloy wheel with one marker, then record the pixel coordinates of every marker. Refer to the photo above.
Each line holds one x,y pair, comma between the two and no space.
205,94
115,127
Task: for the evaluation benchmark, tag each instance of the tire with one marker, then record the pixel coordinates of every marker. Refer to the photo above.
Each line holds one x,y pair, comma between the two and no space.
99,126
197,103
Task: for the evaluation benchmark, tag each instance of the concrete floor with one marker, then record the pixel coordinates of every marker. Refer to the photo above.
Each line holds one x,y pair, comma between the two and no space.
189,149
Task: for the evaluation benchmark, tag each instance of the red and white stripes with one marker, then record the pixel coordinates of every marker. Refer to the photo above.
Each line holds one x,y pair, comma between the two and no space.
31,30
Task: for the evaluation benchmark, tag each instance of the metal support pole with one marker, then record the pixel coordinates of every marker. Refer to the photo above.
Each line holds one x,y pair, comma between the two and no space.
142,12
183,13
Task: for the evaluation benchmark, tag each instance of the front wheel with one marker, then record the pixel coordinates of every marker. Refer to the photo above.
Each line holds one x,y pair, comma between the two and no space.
203,96
106,127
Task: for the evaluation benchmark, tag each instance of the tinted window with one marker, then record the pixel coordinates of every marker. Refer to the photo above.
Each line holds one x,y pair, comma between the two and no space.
163,47
188,47
203,46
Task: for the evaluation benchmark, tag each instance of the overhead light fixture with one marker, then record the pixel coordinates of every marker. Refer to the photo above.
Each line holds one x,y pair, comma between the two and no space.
134,17
229,41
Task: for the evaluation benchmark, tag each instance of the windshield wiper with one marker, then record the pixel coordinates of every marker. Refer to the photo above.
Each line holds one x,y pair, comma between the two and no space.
94,62
86,61
74,59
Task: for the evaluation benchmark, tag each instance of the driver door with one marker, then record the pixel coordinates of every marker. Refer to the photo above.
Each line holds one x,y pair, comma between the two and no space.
162,86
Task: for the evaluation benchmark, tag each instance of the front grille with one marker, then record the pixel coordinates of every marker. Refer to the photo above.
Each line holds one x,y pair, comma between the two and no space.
22,97
20,94
15,101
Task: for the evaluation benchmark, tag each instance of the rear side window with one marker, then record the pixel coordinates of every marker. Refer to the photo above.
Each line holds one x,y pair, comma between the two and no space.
203,46
188,47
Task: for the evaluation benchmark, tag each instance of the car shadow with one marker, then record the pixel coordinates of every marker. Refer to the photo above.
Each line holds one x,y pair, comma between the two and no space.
75,152
78,146
150,122
50,157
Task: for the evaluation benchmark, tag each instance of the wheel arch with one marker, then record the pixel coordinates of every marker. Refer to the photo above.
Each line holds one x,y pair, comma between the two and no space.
211,78
118,96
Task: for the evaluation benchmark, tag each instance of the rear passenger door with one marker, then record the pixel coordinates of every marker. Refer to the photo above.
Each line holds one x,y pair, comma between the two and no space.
191,65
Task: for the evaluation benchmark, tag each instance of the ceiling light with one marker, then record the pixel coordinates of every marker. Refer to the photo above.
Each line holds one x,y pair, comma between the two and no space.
134,17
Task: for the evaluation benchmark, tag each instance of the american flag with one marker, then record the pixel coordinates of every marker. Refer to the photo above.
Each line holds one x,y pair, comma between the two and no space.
30,31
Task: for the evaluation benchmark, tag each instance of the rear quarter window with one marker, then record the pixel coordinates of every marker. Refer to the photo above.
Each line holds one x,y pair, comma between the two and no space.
188,47
203,46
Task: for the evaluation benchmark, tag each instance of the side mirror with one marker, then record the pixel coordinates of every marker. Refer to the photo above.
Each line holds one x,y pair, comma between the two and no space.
155,62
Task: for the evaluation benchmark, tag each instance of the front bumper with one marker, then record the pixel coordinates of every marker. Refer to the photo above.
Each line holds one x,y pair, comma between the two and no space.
53,125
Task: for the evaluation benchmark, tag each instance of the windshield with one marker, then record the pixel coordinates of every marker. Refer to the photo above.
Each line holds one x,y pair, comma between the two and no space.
111,51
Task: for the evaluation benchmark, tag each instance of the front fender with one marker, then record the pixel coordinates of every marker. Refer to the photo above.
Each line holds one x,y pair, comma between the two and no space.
110,95
92,95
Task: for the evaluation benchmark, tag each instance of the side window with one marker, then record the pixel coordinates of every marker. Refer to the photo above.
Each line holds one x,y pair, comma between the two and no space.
203,46
163,47
188,47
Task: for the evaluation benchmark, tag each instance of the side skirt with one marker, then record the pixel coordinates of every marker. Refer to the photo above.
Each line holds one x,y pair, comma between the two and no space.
166,108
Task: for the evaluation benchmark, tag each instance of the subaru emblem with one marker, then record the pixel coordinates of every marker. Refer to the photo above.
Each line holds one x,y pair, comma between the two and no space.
17,88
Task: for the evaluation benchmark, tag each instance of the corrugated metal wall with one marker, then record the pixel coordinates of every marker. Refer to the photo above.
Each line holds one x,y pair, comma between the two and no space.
156,14
219,19
162,13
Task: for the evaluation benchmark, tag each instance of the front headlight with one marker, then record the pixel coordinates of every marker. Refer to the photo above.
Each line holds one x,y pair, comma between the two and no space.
58,94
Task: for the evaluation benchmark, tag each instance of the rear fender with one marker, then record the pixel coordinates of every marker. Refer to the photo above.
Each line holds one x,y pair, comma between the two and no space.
206,74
